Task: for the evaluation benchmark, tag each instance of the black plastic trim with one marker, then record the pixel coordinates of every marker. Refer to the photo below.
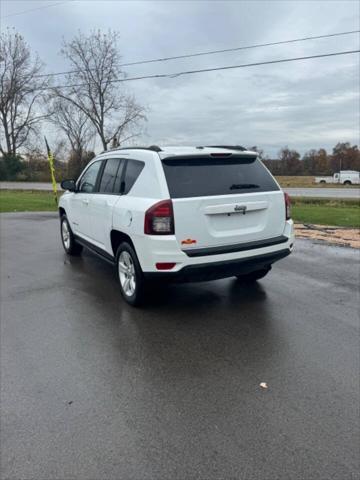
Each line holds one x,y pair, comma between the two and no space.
239,247
98,251
217,270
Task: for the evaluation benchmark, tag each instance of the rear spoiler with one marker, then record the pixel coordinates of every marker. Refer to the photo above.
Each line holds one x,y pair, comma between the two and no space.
229,147
215,159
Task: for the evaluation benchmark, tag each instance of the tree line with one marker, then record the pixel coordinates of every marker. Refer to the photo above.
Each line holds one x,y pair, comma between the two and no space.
344,156
92,105
34,166
88,104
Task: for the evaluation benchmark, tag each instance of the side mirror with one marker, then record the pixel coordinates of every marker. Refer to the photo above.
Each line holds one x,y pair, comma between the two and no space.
68,185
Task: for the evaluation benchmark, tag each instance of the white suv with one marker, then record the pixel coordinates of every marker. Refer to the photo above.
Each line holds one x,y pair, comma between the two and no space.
177,213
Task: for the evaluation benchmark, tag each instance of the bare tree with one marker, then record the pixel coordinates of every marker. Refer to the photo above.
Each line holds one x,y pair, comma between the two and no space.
93,86
73,122
78,131
21,92
260,151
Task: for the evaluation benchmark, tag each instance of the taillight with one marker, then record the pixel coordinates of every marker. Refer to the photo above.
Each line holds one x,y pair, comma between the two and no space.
287,206
159,219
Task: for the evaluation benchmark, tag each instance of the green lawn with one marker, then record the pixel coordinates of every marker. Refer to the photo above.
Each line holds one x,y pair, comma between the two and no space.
306,210
341,213
26,201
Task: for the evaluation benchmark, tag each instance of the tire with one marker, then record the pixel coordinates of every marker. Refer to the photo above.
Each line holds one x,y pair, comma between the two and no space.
253,276
131,278
322,181
347,182
67,238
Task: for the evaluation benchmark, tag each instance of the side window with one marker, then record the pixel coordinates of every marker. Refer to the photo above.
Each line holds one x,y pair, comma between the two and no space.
87,182
133,170
119,177
112,167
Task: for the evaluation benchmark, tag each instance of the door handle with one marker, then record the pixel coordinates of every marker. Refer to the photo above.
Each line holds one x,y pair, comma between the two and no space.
86,201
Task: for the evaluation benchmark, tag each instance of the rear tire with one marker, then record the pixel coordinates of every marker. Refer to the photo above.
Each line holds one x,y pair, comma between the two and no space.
131,278
347,182
67,238
253,276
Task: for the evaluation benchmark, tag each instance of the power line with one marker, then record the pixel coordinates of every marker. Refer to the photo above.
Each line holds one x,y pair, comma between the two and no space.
246,47
33,9
214,69
212,52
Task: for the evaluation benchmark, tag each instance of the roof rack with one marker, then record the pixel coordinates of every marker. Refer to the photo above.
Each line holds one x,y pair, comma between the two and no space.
229,147
153,148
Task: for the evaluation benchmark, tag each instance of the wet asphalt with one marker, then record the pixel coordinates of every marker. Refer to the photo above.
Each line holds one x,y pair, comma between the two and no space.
94,389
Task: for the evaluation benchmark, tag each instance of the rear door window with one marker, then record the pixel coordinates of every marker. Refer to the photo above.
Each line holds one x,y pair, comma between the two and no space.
113,168
204,176
132,172
119,179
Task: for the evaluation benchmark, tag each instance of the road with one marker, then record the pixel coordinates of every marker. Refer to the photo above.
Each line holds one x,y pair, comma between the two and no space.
343,192
27,186
95,389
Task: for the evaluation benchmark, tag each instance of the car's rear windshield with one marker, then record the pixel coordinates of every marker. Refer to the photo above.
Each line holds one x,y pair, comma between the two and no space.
200,176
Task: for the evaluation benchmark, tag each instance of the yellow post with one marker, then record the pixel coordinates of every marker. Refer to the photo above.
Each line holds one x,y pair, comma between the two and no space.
52,170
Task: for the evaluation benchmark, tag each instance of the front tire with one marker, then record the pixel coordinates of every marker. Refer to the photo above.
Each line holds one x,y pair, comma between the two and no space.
67,238
253,276
131,278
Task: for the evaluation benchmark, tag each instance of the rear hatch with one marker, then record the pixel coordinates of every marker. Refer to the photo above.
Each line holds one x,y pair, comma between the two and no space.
223,199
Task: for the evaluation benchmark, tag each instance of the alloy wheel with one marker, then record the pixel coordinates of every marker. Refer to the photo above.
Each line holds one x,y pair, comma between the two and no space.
127,273
65,234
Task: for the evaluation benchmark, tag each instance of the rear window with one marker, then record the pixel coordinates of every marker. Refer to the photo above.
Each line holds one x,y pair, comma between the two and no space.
199,176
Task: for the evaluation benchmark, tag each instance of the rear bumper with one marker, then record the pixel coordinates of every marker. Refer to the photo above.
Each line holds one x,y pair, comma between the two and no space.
216,270
216,264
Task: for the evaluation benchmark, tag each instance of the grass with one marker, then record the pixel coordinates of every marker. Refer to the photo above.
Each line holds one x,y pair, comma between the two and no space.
26,201
322,211
307,182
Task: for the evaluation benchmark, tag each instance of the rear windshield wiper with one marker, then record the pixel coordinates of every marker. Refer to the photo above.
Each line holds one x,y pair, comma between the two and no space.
238,186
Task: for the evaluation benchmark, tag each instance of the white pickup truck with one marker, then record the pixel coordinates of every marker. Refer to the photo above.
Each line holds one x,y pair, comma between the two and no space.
344,177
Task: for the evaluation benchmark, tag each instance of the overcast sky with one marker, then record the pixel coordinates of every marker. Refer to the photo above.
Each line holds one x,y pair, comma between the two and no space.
307,104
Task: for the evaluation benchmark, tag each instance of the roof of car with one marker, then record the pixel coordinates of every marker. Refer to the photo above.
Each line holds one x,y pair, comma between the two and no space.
171,151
